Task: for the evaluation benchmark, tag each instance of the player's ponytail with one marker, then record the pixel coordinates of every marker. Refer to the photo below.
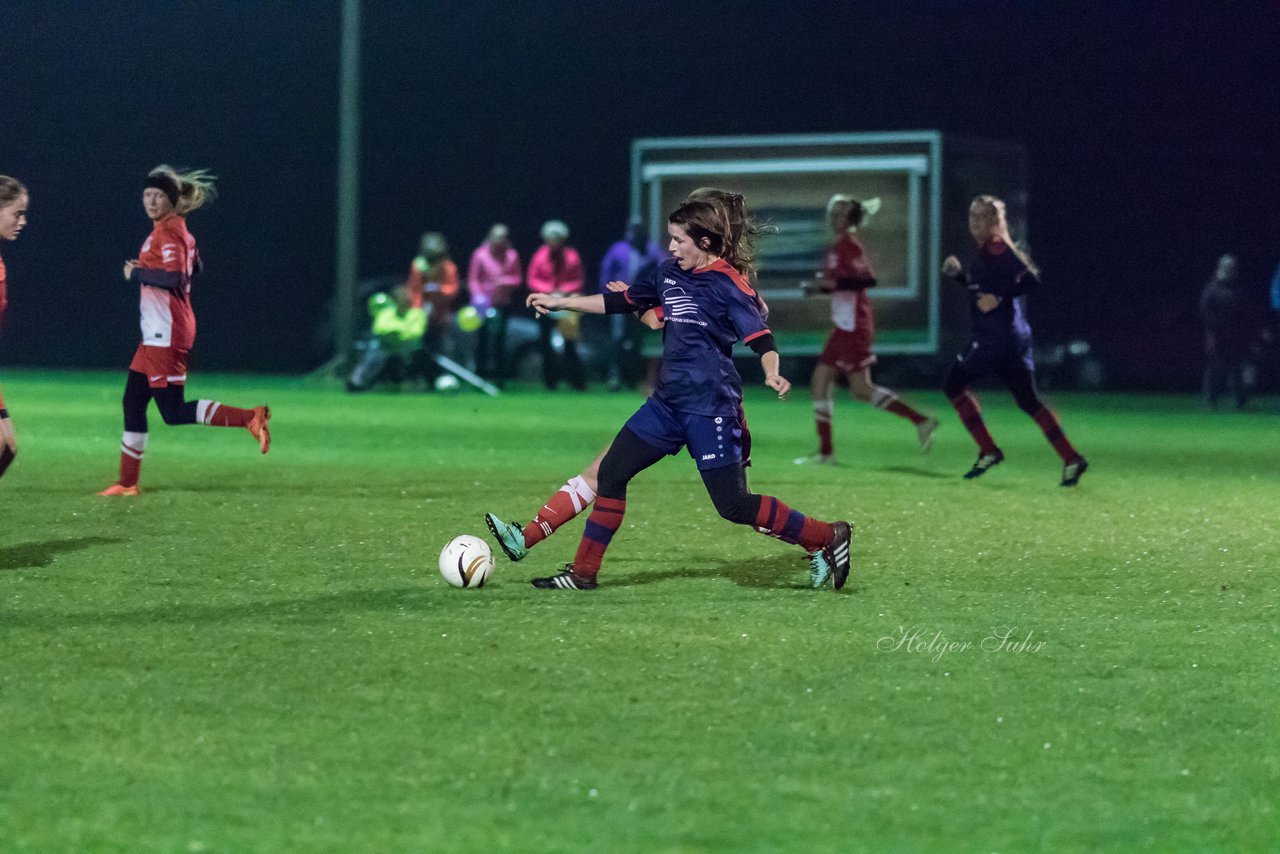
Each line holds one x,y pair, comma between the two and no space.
742,232
996,207
10,190
195,187
853,210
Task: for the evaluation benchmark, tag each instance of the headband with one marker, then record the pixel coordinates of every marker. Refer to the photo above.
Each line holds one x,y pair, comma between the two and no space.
166,185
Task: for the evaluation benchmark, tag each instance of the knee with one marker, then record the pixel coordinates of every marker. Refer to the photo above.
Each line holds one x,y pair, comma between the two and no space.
737,507
859,387
1028,403
171,414
611,480
953,386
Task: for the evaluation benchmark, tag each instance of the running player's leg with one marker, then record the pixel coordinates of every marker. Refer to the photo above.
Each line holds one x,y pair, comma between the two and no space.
213,413
133,444
8,441
821,384
827,541
565,503
956,388
864,389
628,455
1021,381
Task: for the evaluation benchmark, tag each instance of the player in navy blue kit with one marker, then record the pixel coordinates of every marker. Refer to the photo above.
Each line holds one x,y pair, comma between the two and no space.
708,305
998,280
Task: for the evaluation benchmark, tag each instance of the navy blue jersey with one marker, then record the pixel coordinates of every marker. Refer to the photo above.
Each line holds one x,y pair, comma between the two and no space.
707,310
998,270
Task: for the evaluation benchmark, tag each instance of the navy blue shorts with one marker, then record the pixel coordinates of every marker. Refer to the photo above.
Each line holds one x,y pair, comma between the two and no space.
996,356
713,440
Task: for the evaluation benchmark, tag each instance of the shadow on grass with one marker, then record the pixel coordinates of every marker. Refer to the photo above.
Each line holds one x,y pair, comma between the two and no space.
919,472
303,610
777,572
32,555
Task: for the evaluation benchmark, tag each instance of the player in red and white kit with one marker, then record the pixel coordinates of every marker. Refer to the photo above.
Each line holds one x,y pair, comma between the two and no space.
846,274
163,270
13,218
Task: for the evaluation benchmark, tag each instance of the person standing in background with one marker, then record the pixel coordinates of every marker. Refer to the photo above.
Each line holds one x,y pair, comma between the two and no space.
433,285
1226,336
628,260
493,277
556,270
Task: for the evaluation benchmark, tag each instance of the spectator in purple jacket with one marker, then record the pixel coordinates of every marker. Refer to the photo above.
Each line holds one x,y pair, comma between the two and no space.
626,261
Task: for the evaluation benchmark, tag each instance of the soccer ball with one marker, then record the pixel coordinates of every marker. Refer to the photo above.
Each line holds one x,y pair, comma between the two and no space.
446,384
466,561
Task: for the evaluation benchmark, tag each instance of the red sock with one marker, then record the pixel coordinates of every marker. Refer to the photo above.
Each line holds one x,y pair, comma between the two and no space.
883,398
900,409
776,519
567,502
132,448
217,414
822,420
1053,432
967,406
602,524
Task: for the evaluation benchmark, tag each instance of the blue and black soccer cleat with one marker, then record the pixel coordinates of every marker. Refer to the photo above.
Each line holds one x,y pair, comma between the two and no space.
509,536
819,568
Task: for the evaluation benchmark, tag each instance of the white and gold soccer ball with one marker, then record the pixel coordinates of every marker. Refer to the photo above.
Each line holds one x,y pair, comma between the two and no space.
466,561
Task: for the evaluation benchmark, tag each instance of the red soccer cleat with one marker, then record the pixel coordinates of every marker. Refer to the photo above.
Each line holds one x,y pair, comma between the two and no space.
258,427
117,489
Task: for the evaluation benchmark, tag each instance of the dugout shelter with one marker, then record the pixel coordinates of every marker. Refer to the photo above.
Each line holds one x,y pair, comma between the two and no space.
925,180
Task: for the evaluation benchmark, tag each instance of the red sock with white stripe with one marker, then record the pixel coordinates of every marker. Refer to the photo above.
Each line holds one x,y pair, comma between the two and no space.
822,420
883,398
568,501
214,413
132,448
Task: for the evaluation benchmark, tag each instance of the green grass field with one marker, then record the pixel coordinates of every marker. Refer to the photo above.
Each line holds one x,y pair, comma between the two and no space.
259,654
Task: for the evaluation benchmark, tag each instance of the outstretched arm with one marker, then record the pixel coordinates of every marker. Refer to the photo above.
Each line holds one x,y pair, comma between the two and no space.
547,303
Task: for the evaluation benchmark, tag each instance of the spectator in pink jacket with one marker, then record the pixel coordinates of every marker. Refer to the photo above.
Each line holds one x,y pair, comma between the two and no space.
493,277
557,269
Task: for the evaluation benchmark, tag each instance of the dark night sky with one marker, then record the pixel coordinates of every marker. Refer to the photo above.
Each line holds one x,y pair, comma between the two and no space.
1153,130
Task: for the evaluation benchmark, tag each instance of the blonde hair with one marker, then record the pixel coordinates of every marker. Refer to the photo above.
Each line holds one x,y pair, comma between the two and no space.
855,211
996,207
195,186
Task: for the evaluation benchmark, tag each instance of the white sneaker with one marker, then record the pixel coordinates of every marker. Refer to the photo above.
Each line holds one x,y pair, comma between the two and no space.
816,459
925,430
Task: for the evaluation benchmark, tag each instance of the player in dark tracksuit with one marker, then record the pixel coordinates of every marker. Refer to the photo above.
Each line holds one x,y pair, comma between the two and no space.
708,305
998,280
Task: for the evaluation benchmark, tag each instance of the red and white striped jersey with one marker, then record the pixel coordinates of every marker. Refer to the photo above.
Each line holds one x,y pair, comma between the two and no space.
165,266
848,274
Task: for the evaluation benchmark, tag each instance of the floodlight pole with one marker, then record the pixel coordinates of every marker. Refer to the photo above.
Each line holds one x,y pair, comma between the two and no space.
348,218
